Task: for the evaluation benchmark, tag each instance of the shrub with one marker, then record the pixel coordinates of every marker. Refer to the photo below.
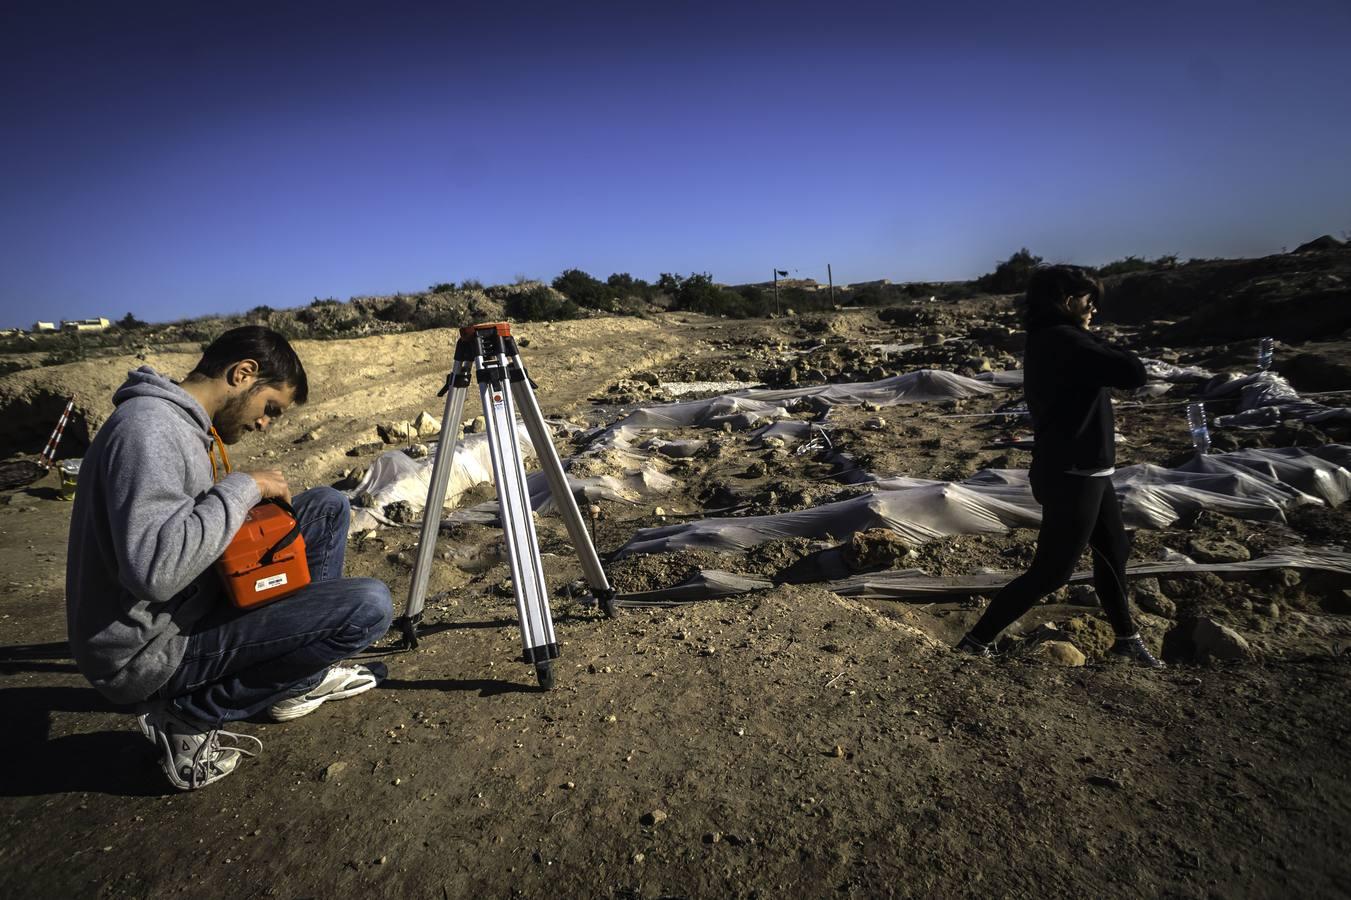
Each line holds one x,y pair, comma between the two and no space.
1010,276
442,287
130,323
400,310
471,284
538,304
582,289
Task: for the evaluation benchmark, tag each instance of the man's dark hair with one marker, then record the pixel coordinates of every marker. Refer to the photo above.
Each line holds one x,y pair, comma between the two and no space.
1049,287
277,360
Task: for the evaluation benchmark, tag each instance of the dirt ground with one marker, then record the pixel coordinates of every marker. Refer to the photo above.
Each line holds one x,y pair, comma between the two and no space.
790,740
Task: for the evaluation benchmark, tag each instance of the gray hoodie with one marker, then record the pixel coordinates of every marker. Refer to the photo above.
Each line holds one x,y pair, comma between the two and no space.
147,525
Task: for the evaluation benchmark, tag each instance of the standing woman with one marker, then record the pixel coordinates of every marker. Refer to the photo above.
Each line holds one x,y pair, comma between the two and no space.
1067,371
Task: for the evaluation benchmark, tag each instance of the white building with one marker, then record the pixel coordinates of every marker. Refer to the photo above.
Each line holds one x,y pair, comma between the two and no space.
99,324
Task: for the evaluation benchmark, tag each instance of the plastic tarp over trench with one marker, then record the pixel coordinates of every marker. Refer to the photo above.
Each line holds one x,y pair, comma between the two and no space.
914,584
1255,484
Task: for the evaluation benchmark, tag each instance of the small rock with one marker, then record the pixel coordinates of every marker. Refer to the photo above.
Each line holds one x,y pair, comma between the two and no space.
656,817
396,432
1150,597
1082,595
312,435
837,751
427,425
712,837
1269,610
638,858
332,770
1217,550
476,425
418,451
876,423
1215,641
1106,781
932,340
1062,652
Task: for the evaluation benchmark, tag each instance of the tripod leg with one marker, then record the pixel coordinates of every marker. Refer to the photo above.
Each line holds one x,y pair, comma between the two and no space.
540,646
436,498
558,487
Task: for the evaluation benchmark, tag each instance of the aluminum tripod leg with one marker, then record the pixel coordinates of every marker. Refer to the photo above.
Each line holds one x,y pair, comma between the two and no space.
552,467
457,384
539,645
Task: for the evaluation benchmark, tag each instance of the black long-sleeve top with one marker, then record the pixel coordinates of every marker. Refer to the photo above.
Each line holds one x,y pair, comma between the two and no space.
1067,371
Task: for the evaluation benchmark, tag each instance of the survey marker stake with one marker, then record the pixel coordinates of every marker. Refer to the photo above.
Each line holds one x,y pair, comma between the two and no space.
489,351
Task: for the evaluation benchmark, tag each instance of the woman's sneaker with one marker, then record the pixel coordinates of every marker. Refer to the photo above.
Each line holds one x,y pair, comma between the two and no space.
1133,649
192,752
339,683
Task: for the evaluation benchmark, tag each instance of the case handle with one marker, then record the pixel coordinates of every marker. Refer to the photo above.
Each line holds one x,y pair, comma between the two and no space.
287,539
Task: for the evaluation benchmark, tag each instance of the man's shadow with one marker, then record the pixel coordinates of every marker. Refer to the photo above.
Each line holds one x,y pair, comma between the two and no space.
119,762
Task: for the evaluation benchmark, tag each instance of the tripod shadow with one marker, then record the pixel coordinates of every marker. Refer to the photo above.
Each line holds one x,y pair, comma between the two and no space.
486,687
50,657
103,762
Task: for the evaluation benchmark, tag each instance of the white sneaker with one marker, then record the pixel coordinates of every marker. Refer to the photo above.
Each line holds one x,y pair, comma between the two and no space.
340,682
193,755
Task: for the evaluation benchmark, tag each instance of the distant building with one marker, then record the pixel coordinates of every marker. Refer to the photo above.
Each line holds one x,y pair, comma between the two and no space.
39,327
99,324
881,282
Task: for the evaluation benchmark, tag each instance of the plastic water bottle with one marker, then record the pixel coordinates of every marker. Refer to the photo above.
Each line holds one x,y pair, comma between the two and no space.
1264,352
1196,421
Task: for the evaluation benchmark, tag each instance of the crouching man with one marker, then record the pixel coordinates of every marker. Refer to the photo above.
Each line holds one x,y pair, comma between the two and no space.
147,616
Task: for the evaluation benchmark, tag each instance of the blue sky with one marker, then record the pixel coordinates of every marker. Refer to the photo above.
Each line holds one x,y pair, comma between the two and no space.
176,159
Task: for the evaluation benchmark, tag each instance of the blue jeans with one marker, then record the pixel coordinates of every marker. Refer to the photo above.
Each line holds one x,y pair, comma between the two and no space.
239,662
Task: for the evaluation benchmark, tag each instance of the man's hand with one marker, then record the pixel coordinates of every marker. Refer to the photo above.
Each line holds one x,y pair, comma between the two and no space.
272,483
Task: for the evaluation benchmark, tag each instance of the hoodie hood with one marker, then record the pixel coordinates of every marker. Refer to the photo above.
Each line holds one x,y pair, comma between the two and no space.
145,382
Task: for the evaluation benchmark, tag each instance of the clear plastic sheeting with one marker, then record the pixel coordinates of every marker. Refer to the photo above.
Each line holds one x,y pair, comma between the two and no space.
919,512
707,584
630,487
1266,399
923,386
745,409
912,584
1158,370
1254,484
394,477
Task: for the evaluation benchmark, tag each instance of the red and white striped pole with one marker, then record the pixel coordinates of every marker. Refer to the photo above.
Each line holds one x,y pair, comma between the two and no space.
49,454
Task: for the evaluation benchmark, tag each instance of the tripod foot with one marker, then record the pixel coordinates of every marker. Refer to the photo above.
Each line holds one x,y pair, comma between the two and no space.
545,673
609,602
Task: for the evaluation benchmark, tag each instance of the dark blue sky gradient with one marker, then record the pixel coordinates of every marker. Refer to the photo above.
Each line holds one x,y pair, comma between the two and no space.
183,158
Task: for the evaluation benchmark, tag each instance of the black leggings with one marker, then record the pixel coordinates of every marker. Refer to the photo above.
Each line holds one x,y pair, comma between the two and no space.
1076,511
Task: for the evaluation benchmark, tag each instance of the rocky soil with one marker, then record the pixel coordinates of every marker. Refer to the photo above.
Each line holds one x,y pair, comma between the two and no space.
789,740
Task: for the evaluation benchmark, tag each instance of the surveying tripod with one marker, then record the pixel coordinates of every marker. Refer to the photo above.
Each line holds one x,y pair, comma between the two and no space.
491,352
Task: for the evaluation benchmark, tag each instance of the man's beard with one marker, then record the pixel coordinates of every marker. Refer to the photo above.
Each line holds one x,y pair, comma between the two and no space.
229,420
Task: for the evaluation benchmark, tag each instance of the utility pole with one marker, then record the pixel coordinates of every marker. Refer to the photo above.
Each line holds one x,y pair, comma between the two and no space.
776,292
831,279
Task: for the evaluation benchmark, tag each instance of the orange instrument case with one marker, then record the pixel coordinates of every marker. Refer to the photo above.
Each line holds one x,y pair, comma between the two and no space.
266,559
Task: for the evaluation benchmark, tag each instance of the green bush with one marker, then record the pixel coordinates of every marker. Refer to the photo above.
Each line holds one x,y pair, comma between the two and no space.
471,284
1135,264
698,293
400,310
130,323
1010,276
441,287
539,304
582,289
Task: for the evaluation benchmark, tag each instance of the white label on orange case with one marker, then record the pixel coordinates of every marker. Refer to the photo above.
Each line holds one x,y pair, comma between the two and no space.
266,584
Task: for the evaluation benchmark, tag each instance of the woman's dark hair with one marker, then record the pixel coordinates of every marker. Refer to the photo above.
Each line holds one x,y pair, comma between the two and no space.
277,361
1047,290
